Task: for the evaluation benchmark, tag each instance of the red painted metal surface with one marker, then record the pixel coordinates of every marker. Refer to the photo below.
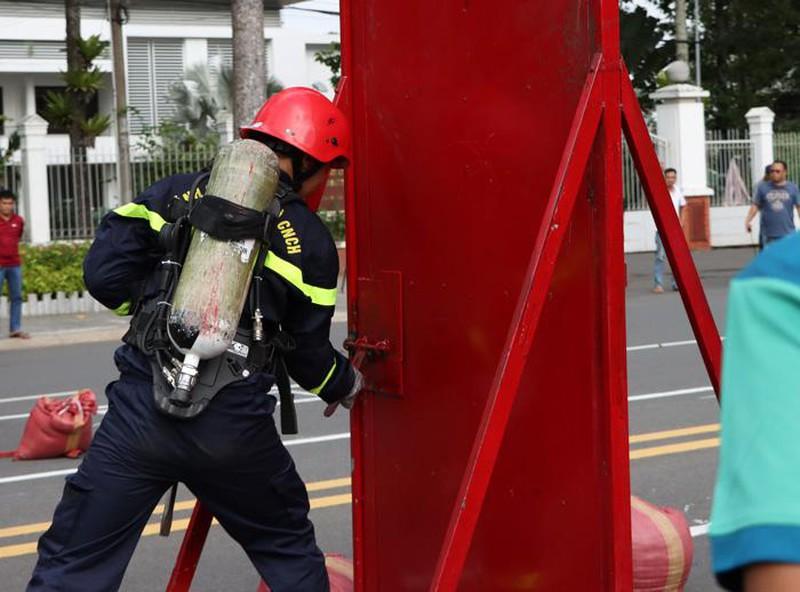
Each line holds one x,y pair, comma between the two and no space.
458,229
680,259
458,143
514,357
191,548
605,172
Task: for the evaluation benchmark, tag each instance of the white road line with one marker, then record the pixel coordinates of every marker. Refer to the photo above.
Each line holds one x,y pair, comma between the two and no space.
646,346
32,397
666,394
62,472
296,388
700,530
310,399
634,348
101,409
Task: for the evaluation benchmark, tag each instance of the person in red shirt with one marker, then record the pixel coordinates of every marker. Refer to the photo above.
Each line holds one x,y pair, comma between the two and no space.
11,226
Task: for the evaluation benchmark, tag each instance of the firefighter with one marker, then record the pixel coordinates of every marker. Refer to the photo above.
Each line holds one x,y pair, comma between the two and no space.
230,456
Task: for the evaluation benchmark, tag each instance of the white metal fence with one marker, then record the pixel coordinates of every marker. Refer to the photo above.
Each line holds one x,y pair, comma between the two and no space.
633,192
722,148
787,148
146,169
83,187
9,177
78,186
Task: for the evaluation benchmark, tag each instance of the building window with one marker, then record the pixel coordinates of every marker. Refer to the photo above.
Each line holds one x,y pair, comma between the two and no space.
153,66
41,106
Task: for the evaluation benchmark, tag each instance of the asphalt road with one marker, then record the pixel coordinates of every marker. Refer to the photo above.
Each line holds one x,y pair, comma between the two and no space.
673,417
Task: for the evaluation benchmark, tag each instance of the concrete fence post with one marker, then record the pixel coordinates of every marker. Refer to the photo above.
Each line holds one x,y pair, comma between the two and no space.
681,122
760,120
33,132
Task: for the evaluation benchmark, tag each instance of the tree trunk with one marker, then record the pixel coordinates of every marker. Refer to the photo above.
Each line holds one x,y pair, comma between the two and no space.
681,36
80,215
75,62
249,71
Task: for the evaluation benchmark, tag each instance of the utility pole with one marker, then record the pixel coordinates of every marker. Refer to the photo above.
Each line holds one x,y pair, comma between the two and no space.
681,36
118,15
697,68
249,71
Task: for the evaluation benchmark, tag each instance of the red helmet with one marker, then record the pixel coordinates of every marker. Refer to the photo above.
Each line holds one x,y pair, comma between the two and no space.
307,120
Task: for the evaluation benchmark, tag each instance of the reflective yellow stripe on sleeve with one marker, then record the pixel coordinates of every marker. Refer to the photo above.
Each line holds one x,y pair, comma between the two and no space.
318,390
134,210
294,275
123,309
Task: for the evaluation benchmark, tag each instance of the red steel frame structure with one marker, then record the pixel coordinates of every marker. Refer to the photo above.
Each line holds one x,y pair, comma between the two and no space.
608,100
607,107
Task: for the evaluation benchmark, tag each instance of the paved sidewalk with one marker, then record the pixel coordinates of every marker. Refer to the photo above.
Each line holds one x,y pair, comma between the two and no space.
68,329
716,268
74,329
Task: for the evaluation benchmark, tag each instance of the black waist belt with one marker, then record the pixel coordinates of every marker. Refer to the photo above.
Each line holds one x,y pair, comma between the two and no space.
241,359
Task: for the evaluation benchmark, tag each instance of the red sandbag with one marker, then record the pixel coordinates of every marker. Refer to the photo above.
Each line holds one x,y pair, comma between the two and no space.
340,574
662,548
57,427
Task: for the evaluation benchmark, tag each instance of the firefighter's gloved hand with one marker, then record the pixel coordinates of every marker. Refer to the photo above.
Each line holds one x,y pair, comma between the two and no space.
347,401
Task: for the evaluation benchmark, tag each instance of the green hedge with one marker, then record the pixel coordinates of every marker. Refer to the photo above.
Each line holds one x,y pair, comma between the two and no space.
57,267
52,268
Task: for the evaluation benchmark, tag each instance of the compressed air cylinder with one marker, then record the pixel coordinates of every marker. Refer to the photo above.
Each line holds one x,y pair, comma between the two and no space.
216,275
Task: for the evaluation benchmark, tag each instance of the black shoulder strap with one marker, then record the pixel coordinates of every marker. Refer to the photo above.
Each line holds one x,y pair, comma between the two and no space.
177,206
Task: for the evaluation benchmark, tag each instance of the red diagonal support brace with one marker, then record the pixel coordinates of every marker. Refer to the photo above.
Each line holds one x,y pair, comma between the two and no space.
669,228
191,548
523,328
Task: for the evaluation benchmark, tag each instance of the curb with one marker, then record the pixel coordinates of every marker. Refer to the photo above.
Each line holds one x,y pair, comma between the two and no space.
87,335
62,338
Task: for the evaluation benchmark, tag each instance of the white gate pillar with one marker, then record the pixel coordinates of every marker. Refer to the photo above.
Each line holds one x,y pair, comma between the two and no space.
681,121
33,132
760,120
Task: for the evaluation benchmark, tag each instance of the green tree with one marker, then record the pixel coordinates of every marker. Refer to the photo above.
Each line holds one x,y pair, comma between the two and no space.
645,48
200,97
332,58
83,80
203,94
750,50
68,109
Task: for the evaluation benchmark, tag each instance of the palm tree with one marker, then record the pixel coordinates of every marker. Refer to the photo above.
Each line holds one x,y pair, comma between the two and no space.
203,94
200,97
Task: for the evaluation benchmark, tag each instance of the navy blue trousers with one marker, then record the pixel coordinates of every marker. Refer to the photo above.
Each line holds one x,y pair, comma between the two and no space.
231,457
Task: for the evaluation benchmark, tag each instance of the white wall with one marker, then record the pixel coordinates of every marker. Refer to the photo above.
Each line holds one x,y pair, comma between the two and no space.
727,229
18,87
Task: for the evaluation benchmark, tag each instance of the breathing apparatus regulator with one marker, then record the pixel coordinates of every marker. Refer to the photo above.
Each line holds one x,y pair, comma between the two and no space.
191,329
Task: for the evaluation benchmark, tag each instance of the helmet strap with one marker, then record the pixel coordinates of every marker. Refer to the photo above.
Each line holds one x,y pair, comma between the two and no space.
299,174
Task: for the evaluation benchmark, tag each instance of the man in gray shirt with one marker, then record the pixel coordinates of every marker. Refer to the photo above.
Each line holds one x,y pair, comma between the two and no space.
776,199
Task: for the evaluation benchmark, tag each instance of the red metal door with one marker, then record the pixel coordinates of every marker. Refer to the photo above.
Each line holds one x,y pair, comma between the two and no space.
461,111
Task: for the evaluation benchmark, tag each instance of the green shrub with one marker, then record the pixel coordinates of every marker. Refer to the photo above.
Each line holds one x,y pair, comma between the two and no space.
57,267
334,220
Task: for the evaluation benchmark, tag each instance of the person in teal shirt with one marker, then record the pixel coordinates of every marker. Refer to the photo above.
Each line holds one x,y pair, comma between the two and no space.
755,518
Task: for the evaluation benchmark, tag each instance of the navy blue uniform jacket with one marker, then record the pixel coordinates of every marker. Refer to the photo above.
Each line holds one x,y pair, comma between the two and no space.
298,292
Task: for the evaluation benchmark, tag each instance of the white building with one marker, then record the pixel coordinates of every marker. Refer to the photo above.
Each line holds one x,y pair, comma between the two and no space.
161,39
